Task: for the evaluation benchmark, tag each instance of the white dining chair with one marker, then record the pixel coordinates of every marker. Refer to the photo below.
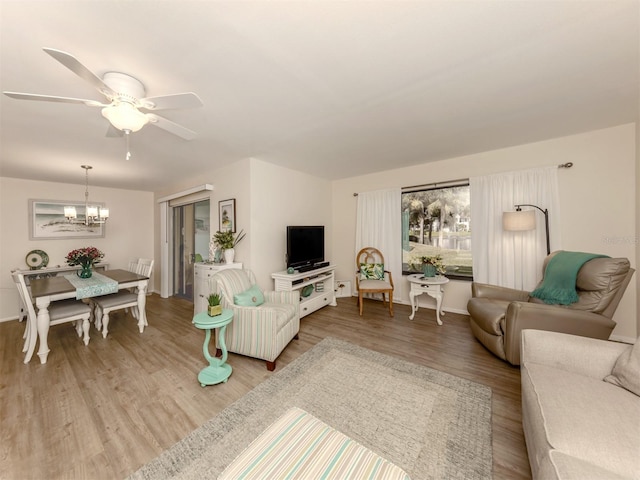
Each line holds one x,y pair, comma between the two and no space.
60,311
122,300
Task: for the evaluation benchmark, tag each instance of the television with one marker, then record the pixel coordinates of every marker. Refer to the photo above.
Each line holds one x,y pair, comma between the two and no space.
305,246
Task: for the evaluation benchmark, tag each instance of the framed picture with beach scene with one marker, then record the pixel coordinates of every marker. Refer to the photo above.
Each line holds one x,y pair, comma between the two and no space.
47,221
227,215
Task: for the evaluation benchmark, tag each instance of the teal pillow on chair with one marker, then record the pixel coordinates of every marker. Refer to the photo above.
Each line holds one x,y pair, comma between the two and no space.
372,271
249,298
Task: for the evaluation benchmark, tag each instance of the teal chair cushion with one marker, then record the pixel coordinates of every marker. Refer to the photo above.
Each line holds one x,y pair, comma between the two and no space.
252,297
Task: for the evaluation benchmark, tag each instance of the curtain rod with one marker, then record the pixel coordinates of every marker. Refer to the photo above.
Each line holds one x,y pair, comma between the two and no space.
562,165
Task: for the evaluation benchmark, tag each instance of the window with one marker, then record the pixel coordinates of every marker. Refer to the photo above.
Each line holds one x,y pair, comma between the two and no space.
436,221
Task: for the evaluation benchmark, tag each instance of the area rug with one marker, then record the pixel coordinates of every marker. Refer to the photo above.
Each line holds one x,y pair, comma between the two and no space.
431,424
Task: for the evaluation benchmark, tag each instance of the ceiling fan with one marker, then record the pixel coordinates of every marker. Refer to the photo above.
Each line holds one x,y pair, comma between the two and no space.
126,98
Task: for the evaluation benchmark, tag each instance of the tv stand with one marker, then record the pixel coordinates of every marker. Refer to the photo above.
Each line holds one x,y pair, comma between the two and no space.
315,266
322,279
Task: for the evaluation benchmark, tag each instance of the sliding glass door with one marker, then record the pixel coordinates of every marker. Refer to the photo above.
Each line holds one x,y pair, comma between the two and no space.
191,235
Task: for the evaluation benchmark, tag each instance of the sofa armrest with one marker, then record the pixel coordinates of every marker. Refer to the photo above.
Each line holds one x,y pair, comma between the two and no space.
292,297
585,356
540,316
499,293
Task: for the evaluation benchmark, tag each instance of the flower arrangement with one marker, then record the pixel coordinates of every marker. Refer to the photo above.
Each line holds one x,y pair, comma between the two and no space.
84,256
226,240
436,261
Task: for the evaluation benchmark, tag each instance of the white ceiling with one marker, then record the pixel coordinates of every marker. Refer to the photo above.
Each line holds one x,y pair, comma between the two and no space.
332,88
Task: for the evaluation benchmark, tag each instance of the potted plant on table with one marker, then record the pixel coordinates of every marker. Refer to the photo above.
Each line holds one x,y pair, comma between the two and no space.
432,265
227,241
214,307
85,257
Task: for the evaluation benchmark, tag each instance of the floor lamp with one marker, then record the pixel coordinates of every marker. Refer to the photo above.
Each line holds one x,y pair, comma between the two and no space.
520,220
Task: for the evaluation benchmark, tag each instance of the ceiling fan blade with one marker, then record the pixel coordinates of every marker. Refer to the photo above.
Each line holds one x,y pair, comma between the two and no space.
52,98
73,64
177,100
171,127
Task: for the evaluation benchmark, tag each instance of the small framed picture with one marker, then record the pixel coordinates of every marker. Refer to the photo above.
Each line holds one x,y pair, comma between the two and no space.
227,215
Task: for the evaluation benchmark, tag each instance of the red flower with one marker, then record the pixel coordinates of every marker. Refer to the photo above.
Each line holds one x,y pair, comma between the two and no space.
84,256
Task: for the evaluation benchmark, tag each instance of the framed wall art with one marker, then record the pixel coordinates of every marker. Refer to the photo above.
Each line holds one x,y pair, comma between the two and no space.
47,221
227,215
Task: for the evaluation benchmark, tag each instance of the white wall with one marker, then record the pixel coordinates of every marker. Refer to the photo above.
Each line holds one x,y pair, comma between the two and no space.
268,198
129,231
597,196
281,197
229,181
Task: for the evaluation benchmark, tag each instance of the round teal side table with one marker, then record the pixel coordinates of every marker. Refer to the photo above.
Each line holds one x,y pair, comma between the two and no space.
218,370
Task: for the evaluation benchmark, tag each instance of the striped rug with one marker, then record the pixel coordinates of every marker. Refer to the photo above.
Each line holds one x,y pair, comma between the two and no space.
431,424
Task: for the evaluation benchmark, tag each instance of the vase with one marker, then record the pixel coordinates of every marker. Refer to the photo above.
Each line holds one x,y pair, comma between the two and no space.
85,270
429,270
229,255
214,310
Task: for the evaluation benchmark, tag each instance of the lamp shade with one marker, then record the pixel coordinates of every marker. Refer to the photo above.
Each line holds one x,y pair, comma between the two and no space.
70,212
519,221
125,116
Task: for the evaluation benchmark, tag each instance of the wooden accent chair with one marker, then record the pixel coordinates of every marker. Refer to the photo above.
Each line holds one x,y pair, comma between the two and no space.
371,277
122,300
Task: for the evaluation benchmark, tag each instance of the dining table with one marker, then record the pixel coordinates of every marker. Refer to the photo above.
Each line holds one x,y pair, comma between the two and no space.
47,290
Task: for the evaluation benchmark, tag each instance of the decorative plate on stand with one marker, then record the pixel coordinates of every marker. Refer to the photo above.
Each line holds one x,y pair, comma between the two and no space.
37,259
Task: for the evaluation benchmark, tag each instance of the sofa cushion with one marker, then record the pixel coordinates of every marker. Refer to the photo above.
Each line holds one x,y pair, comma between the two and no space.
598,282
626,371
558,465
581,417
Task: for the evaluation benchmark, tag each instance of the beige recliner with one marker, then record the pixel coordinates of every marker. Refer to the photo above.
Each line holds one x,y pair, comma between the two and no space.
499,314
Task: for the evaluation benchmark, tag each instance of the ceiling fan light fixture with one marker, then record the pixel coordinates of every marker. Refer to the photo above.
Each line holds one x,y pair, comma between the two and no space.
125,116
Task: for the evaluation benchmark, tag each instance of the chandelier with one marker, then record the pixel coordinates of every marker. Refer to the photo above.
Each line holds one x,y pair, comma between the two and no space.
92,214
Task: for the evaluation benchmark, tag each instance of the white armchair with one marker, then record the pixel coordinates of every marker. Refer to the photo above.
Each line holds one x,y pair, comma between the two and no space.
258,330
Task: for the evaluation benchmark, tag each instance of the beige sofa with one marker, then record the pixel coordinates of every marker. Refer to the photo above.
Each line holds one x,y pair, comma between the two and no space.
576,425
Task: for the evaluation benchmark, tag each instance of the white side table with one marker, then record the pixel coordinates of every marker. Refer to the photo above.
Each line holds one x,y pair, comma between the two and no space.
432,286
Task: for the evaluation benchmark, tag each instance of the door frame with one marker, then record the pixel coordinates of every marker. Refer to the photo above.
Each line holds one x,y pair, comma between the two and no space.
166,204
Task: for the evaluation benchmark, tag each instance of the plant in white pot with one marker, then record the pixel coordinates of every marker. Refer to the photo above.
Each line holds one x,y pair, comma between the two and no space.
227,241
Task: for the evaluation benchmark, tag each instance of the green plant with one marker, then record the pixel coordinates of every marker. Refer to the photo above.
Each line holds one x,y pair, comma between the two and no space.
227,240
214,299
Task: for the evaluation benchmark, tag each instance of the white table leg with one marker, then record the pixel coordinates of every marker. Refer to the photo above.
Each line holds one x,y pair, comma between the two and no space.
414,304
142,302
43,330
438,297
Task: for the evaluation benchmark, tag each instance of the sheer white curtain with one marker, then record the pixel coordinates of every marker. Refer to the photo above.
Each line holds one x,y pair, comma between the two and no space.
513,259
379,225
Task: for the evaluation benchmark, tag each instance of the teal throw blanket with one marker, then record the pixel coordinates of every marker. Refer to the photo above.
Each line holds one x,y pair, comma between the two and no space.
559,284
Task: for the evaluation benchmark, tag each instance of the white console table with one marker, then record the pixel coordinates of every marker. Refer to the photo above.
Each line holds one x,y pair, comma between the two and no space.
321,279
202,272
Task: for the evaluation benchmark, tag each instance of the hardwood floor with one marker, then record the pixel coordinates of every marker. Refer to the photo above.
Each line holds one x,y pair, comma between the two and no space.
104,410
